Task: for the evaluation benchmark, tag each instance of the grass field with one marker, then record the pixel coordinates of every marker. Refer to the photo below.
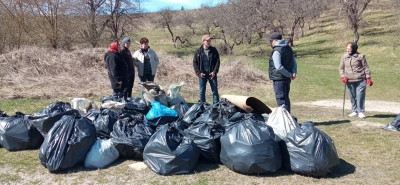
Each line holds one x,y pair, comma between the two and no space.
368,154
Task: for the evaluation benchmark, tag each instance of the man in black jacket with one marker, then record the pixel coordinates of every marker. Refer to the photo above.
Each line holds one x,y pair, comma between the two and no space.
127,56
117,70
206,66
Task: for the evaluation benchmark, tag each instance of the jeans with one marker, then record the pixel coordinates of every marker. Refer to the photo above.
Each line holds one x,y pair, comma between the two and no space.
214,88
357,95
282,89
146,78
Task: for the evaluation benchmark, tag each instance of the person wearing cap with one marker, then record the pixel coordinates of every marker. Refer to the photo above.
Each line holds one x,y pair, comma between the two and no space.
282,68
206,66
355,73
146,61
117,70
127,56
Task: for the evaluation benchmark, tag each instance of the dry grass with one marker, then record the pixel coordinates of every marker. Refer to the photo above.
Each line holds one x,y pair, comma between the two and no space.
47,73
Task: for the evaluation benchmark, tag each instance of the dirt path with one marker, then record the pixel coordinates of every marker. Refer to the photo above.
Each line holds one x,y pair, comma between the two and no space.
370,105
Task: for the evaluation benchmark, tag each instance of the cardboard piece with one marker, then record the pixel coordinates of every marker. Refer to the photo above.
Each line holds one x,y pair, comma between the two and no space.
248,104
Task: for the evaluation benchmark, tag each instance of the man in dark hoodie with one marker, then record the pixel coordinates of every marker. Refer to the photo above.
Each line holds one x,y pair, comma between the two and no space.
282,68
206,66
117,70
127,56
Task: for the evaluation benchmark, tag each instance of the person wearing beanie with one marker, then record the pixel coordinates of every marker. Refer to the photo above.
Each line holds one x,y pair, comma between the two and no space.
355,73
282,68
206,64
117,70
127,56
146,61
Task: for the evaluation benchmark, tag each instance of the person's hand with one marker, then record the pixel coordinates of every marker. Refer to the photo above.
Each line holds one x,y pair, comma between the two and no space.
294,75
344,79
202,75
369,81
120,82
212,75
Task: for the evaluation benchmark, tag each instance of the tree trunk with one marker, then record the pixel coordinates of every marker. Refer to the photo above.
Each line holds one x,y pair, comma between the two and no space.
356,35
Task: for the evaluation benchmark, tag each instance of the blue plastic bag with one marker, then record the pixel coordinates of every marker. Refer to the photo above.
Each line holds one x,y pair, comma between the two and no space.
158,110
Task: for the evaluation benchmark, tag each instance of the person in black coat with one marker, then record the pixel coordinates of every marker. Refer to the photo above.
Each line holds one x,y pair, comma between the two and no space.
117,70
127,56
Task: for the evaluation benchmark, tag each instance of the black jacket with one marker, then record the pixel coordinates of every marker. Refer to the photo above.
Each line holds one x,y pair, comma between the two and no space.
117,69
213,55
127,56
286,60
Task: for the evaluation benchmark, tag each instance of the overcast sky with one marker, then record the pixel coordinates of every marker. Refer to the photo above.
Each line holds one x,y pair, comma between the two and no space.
155,5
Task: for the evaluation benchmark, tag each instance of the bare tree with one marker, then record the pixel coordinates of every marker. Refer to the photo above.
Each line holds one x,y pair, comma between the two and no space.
91,12
120,14
165,20
354,10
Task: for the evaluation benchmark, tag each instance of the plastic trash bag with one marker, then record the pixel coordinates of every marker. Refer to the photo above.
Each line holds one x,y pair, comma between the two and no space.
3,114
174,97
67,143
393,125
103,120
219,112
102,154
311,151
114,106
163,120
153,92
282,122
130,136
17,133
169,152
83,105
249,146
159,110
136,104
181,109
195,111
47,117
207,138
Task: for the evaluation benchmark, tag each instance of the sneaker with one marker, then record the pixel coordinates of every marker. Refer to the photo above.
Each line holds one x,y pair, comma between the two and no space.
361,115
353,114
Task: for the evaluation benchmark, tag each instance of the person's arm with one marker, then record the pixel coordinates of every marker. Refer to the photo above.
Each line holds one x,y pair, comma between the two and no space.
366,67
114,68
195,63
156,58
294,70
217,63
342,68
276,57
135,59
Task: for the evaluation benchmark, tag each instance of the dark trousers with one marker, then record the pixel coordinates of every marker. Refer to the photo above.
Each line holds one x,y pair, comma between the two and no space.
214,88
128,92
146,78
282,89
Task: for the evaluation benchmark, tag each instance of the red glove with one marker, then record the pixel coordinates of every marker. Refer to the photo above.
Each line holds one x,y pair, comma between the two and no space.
369,81
344,79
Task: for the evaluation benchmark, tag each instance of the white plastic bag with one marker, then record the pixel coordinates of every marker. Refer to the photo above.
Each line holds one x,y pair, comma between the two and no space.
174,97
101,154
282,122
114,106
83,105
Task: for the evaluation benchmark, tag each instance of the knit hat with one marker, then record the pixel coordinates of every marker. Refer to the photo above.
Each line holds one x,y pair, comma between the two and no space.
126,40
274,35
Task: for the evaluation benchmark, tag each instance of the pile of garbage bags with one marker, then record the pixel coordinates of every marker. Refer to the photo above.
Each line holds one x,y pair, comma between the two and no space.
170,137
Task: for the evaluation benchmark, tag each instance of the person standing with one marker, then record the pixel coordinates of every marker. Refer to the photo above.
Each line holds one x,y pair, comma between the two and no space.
146,61
206,64
355,73
117,70
282,68
127,56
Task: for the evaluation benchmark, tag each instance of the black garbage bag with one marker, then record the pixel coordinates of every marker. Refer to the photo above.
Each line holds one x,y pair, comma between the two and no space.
46,118
17,133
103,120
393,125
169,152
130,136
195,111
311,151
113,97
207,138
249,146
137,104
181,108
3,114
219,112
162,120
67,143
